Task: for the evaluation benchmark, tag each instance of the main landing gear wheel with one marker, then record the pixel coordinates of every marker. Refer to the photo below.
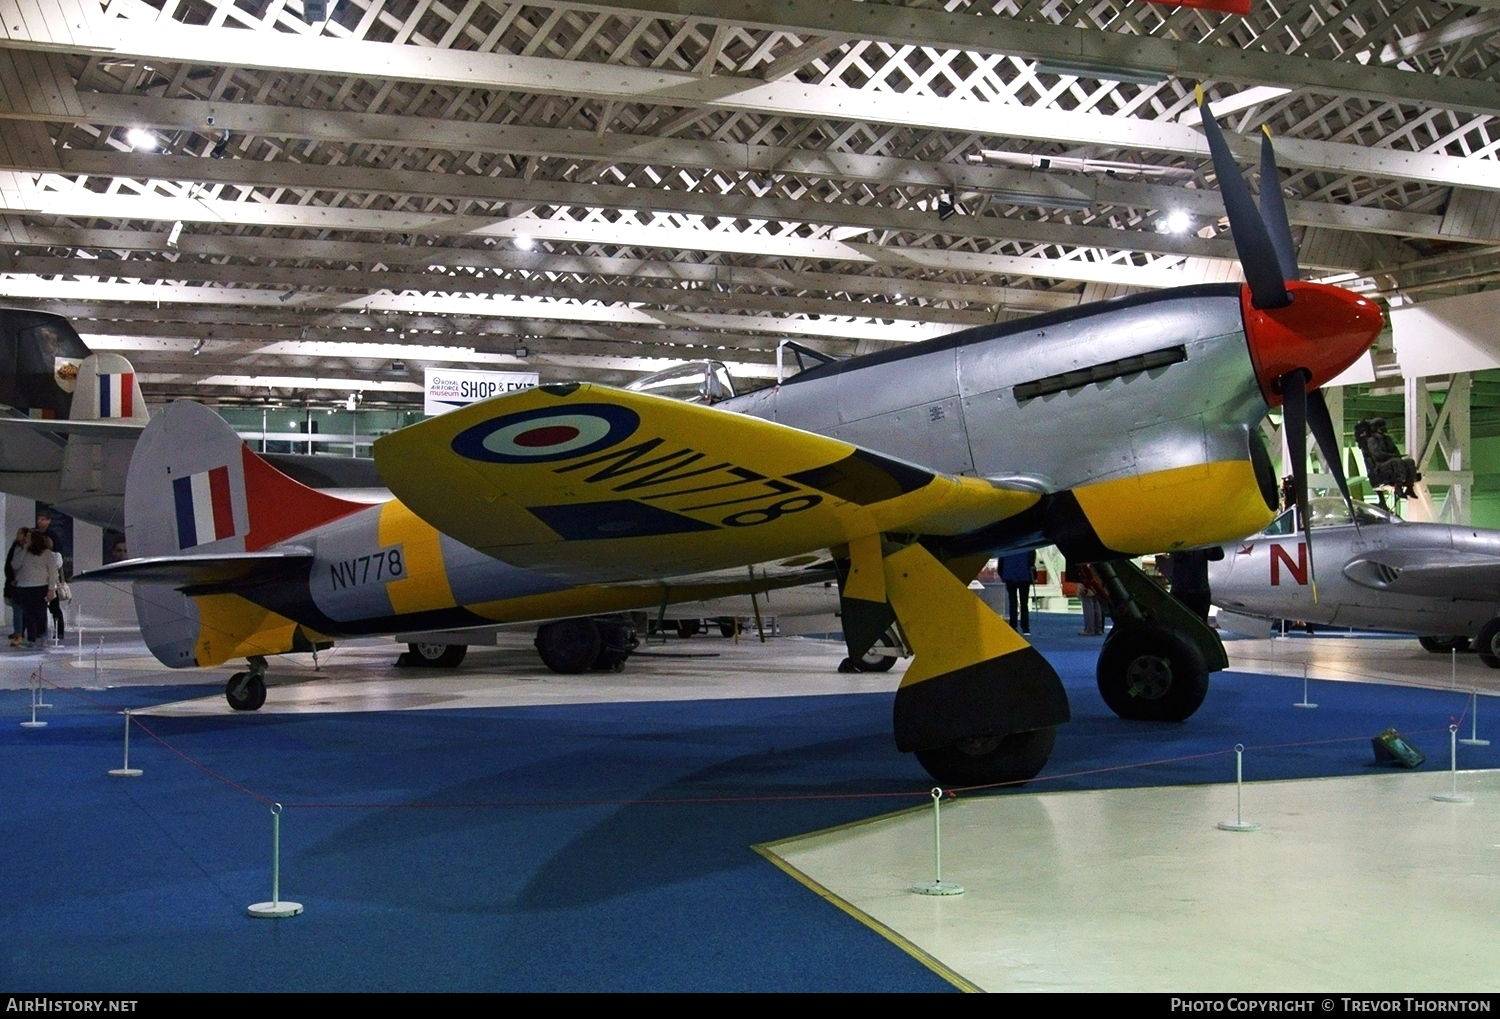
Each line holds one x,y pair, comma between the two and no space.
437,656
688,627
1488,643
1149,672
988,760
1443,645
569,646
728,627
245,691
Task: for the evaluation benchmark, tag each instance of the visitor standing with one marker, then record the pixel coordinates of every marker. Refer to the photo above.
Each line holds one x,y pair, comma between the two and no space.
1019,573
17,547
61,594
36,584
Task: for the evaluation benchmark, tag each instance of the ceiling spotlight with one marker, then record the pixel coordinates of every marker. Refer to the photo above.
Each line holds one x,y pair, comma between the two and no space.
198,347
522,352
525,242
1177,222
175,234
139,138
945,207
353,402
314,12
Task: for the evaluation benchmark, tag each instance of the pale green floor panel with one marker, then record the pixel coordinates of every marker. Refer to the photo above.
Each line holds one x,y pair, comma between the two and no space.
1354,884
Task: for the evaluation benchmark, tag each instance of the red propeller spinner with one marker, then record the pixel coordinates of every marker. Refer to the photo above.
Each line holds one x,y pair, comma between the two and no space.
1324,330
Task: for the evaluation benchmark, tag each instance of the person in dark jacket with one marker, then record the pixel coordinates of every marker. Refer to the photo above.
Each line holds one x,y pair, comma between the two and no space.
23,536
1019,573
1190,578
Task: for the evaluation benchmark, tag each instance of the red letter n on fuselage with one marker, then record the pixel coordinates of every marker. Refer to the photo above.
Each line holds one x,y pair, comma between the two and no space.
1298,570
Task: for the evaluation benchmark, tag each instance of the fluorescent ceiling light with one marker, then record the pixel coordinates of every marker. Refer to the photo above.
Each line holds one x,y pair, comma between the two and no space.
1032,161
293,382
1100,72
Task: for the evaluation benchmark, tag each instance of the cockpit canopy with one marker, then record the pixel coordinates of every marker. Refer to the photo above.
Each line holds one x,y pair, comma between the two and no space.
695,382
1330,511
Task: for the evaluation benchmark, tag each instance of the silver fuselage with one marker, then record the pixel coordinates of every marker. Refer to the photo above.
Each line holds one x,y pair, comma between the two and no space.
1268,577
957,408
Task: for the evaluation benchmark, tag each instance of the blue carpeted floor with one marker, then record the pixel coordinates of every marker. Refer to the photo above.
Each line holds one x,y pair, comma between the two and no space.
141,884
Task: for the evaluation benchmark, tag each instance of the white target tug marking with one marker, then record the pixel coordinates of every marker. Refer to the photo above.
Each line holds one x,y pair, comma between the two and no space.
549,437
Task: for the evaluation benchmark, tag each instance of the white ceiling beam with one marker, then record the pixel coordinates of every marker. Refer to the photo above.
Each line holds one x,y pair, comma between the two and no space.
282,52
231,323
71,26
1027,188
829,325
14,232
468,283
19,194
477,187
1076,46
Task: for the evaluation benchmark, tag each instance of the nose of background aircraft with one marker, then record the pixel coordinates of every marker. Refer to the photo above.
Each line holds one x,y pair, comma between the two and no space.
1324,330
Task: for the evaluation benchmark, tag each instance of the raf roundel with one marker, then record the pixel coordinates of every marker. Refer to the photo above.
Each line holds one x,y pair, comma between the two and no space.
546,434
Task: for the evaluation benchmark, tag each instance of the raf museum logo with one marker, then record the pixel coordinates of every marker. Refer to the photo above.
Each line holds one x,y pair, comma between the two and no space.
448,389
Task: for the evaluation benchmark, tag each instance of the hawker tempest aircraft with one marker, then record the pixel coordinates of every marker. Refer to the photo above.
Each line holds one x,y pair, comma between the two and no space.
1114,429
1438,581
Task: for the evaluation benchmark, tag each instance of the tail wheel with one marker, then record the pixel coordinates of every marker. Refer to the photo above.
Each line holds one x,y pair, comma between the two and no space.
245,691
1150,672
688,627
728,627
569,646
438,656
989,760
1488,643
874,660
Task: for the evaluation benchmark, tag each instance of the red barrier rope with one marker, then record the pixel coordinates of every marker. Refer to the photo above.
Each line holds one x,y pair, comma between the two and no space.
701,800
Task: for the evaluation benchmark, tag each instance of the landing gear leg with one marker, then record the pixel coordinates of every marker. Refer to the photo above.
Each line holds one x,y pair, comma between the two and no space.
1155,665
246,691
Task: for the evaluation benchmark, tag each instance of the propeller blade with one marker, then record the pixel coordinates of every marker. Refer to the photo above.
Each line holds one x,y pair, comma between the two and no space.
1273,209
1321,423
1294,422
1258,256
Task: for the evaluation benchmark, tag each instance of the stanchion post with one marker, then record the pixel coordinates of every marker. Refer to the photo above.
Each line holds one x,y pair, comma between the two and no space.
937,886
39,691
1239,823
1304,702
98,650
125,770
275,908
1474,740
1452,795
36,691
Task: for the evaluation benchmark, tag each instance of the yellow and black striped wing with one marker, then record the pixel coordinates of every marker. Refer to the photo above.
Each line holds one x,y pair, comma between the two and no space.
586,481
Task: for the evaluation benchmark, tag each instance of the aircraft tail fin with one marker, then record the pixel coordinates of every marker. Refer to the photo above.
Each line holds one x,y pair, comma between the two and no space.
39,359
106,389
196,490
